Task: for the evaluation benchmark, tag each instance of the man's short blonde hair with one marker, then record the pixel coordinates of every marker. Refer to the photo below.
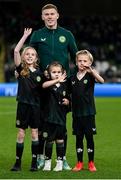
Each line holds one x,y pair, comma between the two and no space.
50,6
84,52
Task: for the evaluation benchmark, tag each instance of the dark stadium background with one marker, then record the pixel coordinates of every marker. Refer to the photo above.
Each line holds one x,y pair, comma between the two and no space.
96,25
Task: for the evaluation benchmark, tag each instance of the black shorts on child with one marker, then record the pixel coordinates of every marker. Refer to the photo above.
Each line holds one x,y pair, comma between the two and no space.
53,131
27,116
84,125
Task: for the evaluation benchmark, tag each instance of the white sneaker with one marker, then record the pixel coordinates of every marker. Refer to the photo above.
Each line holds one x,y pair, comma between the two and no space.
59,166
47,166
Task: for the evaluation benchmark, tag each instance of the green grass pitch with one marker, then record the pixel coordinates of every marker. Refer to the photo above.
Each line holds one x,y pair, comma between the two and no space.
107,144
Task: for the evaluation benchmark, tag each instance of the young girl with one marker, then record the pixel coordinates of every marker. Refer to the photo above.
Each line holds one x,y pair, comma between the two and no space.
28,97
83,107
57,108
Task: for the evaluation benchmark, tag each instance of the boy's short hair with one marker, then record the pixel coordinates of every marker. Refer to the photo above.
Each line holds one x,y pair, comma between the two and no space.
50,6
85,52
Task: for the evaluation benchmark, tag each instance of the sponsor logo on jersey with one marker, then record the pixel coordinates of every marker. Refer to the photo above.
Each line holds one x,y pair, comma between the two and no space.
62,39
43,39
73,82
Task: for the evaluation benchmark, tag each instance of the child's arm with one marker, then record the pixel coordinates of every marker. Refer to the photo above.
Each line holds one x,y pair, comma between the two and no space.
55,81
17,57
96,75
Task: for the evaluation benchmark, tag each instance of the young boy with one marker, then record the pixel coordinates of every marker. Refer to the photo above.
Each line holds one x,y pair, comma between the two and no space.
83,107
57,108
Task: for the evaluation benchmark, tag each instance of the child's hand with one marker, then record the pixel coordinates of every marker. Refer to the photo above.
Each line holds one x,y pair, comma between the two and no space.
63,77
88,69
27,31
65,101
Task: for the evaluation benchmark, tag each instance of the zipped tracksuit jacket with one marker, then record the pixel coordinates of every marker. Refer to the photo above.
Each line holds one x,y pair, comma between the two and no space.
54,45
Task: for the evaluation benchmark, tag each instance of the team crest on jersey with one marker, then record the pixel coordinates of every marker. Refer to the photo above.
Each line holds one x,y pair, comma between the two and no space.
38,78
18,122
62,39
45,134
64,93
55,88
85,81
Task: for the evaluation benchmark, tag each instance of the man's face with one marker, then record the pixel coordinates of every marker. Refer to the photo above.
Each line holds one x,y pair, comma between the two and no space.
50,16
